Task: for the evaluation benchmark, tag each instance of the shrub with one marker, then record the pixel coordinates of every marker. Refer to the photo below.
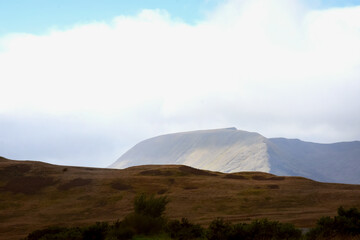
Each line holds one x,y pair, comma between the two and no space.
184,230
219,230
96,232
150,205
265,229
119,231
346,224
143,224
258,229
58,233
147,217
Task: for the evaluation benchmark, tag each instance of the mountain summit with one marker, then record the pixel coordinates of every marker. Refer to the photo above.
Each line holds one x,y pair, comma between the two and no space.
231,150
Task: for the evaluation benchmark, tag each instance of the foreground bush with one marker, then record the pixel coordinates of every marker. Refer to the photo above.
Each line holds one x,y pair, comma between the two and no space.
120,231
265,229
96,232
147,222
143,224
148,215
184,230
56,233
147,219
219,230
258,229
345,225
150,205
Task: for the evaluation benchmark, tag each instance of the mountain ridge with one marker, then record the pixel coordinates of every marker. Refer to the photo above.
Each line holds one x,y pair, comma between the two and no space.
231,150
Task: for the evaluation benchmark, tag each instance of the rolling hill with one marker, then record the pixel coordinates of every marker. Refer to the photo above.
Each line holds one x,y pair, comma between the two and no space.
36,195
231,150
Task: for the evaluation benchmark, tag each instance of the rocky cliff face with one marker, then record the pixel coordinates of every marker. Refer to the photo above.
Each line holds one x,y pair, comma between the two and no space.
232,150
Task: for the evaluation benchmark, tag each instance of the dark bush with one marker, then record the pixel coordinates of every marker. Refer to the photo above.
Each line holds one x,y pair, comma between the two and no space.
96,232
257,230
148,215
56,233
265,229
219,230
184,230
237,232
346,224
119,231
143,224
150,205
40,233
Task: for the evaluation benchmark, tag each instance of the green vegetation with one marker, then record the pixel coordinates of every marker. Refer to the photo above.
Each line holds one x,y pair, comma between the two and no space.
258,229
147,222
150,206
56,233
148,215
345,225
183,230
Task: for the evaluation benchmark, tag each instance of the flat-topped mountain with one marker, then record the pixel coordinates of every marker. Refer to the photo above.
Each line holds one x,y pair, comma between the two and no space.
224,150
231,150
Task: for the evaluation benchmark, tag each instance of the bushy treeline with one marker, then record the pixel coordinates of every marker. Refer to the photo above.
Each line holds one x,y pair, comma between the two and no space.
345,225
148,220
257,230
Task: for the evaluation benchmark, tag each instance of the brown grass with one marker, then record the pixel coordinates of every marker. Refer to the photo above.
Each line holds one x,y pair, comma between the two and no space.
156,172
194,171
14,171
77,182
35,195
273,186
28,185
119,184
235,176
264,178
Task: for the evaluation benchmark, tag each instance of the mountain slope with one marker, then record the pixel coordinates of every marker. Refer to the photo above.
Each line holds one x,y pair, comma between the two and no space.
224,150
337,162
231,150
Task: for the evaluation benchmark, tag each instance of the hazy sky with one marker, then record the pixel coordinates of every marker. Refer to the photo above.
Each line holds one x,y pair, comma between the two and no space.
83,81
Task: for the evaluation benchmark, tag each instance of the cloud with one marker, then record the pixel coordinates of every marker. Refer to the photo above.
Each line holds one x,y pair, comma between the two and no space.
275,67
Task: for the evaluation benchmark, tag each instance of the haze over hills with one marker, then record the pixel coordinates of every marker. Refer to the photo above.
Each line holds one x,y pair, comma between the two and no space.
231,150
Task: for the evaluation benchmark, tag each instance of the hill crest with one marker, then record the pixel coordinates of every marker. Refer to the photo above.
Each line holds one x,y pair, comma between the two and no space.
35,195
231,150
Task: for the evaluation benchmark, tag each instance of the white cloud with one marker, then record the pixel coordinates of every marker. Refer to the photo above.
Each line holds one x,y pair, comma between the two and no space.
271,66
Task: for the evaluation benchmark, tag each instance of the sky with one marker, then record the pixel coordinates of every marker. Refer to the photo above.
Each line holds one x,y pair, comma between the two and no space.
84,81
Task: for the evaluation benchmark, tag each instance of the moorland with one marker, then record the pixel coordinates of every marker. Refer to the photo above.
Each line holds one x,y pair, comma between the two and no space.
36,195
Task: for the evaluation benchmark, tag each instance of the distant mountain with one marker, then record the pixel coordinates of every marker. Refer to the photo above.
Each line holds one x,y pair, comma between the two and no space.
336,162
231,150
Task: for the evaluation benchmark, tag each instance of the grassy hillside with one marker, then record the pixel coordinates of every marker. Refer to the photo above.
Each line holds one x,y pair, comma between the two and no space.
34,195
